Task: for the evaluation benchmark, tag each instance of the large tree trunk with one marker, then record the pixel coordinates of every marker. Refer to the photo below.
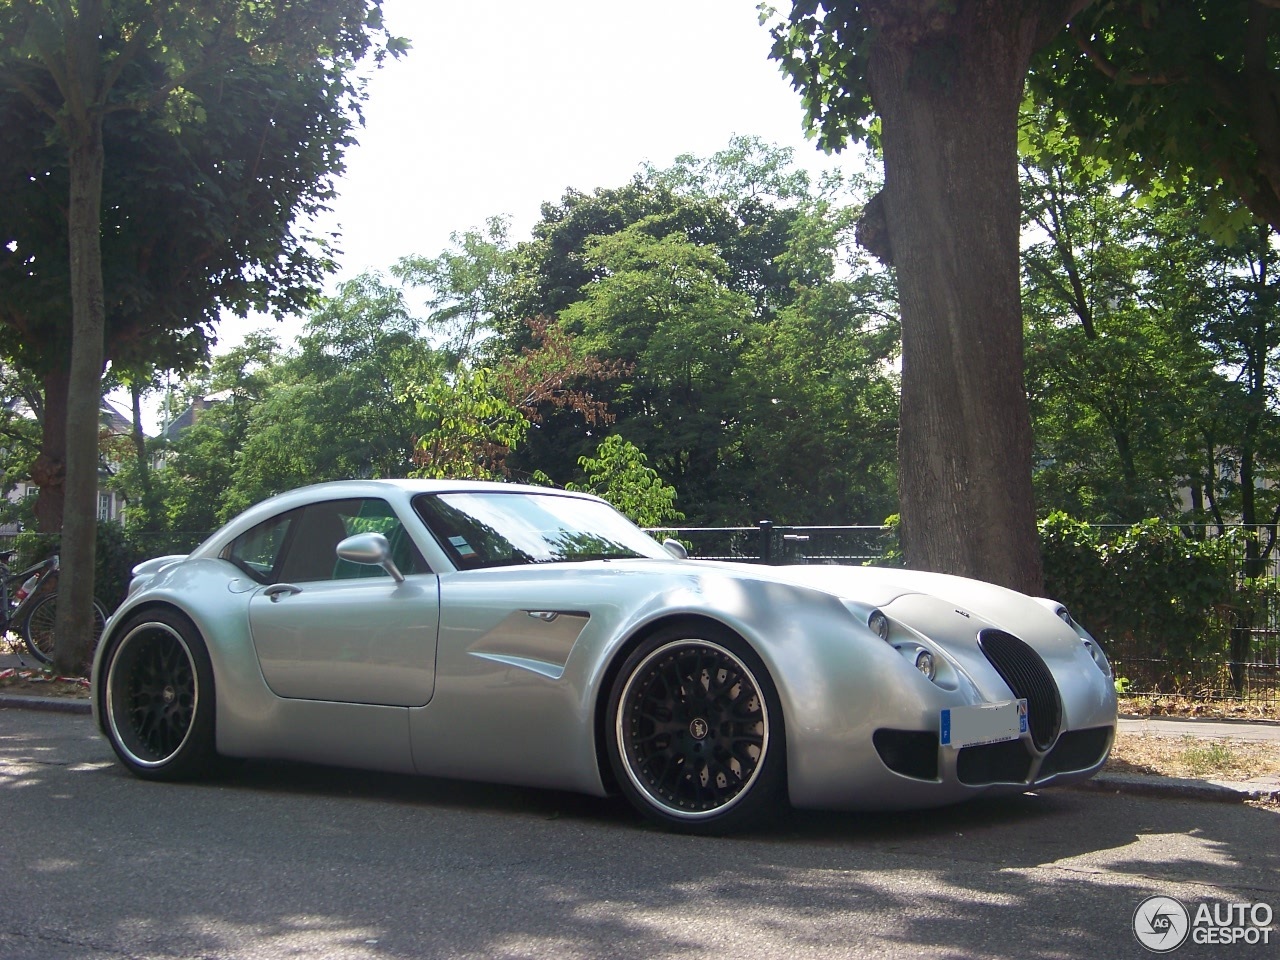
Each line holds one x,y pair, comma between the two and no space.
49,472
74,627
948,103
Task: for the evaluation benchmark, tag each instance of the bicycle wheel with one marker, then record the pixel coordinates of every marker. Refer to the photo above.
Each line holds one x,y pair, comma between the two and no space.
37,629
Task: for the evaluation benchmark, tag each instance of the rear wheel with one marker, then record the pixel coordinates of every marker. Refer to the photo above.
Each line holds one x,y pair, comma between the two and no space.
695,734
37,629
156,697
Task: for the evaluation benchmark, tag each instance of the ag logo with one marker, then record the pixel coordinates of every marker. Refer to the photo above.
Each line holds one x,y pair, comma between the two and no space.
1161,924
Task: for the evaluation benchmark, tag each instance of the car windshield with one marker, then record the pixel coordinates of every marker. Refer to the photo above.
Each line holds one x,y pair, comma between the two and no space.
507,529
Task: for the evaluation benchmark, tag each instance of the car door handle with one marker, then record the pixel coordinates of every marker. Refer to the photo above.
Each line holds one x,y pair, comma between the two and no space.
278,590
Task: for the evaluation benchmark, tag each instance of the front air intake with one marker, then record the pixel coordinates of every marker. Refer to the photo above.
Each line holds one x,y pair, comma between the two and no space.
1027,676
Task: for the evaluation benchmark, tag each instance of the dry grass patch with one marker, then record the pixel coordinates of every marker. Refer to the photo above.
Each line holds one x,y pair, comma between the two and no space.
1194,757
1179,706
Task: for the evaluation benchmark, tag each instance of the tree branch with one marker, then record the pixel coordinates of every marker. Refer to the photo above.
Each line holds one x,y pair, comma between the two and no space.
1119,74
36,100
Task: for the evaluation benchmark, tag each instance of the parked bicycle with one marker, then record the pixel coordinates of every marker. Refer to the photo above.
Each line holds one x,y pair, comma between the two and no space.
32,608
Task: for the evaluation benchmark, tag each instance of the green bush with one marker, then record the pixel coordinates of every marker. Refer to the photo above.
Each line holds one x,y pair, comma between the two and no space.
1149,592
114,559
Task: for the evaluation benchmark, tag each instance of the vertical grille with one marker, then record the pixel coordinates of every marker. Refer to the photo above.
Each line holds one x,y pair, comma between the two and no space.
1027,676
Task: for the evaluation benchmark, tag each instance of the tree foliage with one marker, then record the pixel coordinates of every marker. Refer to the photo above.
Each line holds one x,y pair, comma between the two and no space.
619,472
1175,91
77,66
334,410
760,344
1116,375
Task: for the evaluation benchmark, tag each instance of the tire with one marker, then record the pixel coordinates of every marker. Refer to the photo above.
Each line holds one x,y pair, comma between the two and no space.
156,700
37,628
695,732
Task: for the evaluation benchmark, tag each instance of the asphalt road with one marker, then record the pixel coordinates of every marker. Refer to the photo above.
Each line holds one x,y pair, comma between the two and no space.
308,862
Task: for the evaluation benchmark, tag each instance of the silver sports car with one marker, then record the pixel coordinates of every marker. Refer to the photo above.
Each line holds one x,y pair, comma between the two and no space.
533,636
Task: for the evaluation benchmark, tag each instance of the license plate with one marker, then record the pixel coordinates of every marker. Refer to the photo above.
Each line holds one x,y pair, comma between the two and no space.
985,723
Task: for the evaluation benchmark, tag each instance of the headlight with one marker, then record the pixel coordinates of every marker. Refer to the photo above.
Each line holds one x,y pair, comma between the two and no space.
1099,657
879,624
932,664
925,664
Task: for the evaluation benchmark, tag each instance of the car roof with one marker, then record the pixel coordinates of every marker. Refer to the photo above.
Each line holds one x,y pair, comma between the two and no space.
389,489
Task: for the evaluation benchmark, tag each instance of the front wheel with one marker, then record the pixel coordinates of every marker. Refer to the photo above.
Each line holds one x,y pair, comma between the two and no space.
37,629
155,690
695,732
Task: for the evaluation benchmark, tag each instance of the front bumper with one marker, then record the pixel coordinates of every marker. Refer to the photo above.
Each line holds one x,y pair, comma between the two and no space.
867,736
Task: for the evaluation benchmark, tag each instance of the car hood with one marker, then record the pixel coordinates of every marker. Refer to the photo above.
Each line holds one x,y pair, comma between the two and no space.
879,586
948,608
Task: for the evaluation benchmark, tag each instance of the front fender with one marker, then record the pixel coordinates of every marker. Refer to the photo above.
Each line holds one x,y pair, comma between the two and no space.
215,596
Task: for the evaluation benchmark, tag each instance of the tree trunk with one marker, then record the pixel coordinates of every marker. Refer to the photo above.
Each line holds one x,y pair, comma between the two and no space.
148,504
49,472
74,627
949,108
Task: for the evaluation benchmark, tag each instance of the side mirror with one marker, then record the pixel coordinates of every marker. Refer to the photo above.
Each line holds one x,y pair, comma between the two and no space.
371,549
675,548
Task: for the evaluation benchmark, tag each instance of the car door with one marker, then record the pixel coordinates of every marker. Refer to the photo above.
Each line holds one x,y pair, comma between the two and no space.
330,630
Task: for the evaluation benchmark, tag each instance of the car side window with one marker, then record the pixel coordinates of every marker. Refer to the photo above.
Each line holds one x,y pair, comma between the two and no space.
257,550
311,551
376,516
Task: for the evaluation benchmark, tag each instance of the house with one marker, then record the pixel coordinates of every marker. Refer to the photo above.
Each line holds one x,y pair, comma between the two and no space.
191,413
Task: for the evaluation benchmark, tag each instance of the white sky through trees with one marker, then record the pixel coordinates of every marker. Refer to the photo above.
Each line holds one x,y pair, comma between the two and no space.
501,106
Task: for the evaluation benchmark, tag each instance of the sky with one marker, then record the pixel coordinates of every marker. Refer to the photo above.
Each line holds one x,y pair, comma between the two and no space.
501,106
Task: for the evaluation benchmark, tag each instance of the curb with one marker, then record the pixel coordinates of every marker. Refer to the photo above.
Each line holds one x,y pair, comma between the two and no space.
1169,718
46,704
1149,785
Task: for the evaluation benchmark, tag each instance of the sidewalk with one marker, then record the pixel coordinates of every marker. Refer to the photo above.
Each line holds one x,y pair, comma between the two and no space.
1260,788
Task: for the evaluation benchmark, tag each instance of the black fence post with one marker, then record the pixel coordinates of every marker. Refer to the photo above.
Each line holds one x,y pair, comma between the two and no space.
766,541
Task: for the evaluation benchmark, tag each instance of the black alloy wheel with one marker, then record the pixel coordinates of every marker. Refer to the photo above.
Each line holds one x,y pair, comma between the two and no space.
696,732
157,697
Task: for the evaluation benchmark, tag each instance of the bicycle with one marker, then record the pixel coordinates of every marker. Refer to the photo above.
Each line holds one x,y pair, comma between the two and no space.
33,607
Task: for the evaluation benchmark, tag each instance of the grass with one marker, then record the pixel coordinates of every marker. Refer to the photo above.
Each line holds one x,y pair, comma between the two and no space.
1182,706
1194,758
